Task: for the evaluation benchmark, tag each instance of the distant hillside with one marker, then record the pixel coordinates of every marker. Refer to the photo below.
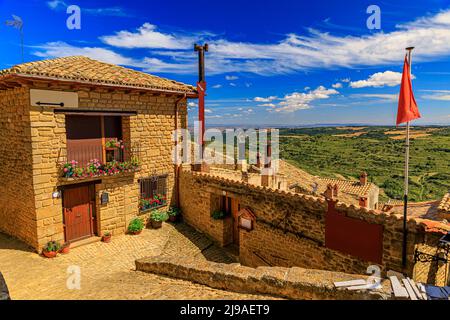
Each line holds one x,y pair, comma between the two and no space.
346,151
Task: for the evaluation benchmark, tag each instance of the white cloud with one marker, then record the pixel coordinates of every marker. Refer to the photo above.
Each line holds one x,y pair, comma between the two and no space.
109,11
380,79
346,80
62,49
337,85
231,78
270,105
217,86
382,96
437,97
290,54
233,84
147,36
208,111
298,101
268,99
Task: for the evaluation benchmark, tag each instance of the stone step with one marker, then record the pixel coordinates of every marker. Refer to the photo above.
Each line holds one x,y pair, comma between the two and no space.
84,242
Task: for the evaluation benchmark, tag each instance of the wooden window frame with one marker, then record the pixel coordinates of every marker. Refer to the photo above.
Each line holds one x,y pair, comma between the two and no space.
103,129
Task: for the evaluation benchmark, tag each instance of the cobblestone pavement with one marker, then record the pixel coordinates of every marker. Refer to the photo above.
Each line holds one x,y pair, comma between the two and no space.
107,269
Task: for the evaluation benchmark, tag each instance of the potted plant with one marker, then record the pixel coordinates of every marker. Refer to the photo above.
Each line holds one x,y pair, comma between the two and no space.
135,227
218,215
107,237
157,217
51,249
174,213
65,248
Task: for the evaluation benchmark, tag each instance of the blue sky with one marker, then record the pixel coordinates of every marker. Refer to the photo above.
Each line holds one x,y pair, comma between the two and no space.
270,62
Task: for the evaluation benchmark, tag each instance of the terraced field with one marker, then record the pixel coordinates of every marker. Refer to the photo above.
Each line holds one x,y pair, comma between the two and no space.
346,151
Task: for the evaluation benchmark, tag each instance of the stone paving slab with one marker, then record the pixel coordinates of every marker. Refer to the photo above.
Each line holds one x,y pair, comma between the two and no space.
108,269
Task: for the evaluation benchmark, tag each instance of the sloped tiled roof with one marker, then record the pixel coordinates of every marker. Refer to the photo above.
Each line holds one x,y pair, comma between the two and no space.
86,70
444,205
348,186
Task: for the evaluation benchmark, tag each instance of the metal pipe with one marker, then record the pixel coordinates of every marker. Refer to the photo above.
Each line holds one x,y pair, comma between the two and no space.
201,89
176,165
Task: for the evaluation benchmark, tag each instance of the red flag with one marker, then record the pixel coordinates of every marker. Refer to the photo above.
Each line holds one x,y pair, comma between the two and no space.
407,106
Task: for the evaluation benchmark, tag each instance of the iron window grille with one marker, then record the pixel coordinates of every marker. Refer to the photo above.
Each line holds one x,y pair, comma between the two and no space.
153,192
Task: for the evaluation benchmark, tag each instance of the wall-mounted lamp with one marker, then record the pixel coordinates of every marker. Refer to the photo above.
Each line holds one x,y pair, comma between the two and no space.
56,194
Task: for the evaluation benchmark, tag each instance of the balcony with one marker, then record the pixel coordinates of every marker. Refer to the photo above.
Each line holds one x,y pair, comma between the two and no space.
88,160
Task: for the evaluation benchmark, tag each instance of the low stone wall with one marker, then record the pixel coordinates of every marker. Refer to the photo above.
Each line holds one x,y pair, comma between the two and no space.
290,228
291,283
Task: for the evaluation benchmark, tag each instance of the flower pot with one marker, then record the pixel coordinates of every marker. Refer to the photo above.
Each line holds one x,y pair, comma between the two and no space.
49,254
65,250
156,224
173,218
106,239
136,232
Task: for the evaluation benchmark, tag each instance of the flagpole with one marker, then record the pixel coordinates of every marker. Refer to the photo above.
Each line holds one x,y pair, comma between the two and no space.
405,200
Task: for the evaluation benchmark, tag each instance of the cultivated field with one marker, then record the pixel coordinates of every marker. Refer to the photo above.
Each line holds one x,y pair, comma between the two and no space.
346,151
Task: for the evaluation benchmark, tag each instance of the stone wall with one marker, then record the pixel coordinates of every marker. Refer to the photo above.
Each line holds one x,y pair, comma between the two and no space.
42,147
290,228
17,207
291,283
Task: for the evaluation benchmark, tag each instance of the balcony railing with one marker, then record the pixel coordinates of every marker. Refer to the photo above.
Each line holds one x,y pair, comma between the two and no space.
86,160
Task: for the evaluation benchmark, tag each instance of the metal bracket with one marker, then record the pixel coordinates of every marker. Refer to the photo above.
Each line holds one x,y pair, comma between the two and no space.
425,257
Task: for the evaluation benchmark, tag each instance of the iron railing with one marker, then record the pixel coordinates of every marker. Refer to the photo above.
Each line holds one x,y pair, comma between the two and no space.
84,160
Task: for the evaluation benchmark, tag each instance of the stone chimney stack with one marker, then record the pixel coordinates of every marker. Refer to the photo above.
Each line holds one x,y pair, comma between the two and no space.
363,178
335,191
329,192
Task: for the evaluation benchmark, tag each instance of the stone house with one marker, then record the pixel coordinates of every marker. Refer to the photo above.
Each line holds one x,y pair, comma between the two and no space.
85,146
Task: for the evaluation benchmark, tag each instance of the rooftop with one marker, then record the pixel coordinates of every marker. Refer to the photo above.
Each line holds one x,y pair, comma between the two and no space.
82,69
348,186
444,205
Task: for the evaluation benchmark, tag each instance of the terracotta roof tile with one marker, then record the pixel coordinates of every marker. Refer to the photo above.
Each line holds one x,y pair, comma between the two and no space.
348,186
84,69
444,205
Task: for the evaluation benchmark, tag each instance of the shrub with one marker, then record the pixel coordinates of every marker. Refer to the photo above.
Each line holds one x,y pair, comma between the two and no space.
159,216
174,211
136,225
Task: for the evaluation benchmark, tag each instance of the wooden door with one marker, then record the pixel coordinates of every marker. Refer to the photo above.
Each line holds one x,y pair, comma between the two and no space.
78,210
234,212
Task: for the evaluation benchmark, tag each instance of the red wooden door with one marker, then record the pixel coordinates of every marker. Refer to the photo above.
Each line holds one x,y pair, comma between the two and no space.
78,207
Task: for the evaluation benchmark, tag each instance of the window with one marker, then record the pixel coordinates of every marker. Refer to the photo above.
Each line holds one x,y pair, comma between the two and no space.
88,138
153,192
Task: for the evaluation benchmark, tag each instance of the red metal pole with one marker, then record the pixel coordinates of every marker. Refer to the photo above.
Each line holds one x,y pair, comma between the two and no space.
201,88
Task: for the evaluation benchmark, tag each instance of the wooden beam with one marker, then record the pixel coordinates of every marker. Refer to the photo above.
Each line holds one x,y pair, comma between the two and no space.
102,124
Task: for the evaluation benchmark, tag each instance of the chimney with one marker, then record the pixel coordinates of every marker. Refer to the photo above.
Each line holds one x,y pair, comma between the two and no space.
335,191
363,178
329,192
363,202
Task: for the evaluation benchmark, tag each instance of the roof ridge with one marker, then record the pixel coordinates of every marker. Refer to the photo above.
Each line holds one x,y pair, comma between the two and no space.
84,68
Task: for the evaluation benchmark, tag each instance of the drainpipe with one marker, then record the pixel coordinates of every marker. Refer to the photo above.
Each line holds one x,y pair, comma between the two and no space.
177,166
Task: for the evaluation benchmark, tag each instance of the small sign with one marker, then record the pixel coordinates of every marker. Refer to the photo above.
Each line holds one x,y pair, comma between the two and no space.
104,198
246,219
52,98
